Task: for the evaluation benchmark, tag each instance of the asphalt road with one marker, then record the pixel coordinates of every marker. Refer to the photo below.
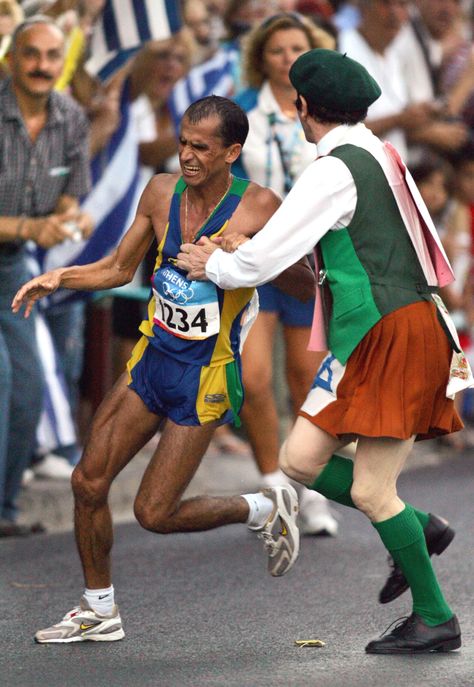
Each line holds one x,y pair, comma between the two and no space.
200,610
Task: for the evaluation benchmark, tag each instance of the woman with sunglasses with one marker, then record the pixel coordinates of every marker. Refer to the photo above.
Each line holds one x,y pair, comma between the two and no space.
275,154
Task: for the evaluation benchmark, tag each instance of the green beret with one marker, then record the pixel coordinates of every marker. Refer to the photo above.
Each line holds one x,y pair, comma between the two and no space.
334,81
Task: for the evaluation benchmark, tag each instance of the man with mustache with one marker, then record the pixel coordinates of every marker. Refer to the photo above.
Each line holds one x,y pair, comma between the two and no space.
43,172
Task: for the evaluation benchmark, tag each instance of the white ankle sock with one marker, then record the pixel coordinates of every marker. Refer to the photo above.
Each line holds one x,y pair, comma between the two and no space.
101,600
260,507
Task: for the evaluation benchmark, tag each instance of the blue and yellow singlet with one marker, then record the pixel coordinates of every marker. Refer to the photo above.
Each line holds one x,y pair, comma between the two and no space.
196,322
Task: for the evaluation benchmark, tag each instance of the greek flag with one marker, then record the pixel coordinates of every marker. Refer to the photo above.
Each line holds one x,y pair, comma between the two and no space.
216,76
124,26
56,425
111,203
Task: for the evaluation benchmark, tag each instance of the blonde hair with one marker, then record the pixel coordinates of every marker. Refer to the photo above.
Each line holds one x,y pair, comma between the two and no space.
10,8
256,40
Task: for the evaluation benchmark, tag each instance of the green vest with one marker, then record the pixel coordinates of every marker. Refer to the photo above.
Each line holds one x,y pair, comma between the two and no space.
371,266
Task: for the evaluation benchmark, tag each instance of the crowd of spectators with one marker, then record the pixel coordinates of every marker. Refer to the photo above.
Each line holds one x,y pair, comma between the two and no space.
420,52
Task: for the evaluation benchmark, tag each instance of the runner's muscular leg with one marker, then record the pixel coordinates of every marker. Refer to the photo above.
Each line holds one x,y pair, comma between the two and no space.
158,506
121,427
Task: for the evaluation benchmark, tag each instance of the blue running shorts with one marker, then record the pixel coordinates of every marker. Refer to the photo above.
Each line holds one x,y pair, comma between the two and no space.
187,394
291,312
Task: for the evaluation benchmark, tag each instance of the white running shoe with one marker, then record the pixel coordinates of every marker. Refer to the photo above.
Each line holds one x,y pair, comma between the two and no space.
280,533
83,624
315,515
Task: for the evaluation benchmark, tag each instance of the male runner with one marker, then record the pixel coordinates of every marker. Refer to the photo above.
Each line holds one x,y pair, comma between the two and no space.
184,372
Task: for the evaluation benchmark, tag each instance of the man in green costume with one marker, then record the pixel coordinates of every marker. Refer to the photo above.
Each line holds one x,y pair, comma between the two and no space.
394,359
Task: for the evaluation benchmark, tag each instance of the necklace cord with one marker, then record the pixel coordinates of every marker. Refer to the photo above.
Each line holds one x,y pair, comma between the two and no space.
186,237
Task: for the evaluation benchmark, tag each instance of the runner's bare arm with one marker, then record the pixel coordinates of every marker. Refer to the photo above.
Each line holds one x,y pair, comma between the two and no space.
114,270
298,280
257,206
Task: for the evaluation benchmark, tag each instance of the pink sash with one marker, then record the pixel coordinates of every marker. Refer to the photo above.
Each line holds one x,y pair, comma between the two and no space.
420,227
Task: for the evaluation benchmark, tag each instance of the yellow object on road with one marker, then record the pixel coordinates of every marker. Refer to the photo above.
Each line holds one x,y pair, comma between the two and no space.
309,642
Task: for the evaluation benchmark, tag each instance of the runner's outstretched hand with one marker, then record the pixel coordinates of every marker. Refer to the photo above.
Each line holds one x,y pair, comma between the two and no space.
36,288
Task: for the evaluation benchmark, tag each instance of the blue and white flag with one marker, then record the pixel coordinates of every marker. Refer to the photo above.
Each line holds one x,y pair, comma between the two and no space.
111,203
56,426
216,76
124,26
122,29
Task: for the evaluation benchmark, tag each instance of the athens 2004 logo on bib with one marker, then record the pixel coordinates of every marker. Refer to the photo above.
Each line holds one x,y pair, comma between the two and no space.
187,309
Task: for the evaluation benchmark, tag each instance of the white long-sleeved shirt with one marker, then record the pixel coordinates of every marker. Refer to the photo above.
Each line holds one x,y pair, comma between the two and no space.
323,199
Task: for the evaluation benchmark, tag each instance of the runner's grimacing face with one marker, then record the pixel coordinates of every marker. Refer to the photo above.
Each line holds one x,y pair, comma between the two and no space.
202,154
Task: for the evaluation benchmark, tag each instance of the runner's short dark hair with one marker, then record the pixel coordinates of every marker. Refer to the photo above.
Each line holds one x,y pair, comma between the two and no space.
234,125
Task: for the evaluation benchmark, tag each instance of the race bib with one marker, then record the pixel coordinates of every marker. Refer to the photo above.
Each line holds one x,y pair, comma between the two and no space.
184,308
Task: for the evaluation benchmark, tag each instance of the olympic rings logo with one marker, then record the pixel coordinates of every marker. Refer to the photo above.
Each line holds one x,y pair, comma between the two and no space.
180,296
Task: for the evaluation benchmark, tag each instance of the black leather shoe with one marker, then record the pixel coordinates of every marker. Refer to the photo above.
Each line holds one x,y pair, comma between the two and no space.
438,535
413,636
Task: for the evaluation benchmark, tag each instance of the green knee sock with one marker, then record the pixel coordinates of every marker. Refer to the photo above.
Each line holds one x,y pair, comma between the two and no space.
403,536
335,483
